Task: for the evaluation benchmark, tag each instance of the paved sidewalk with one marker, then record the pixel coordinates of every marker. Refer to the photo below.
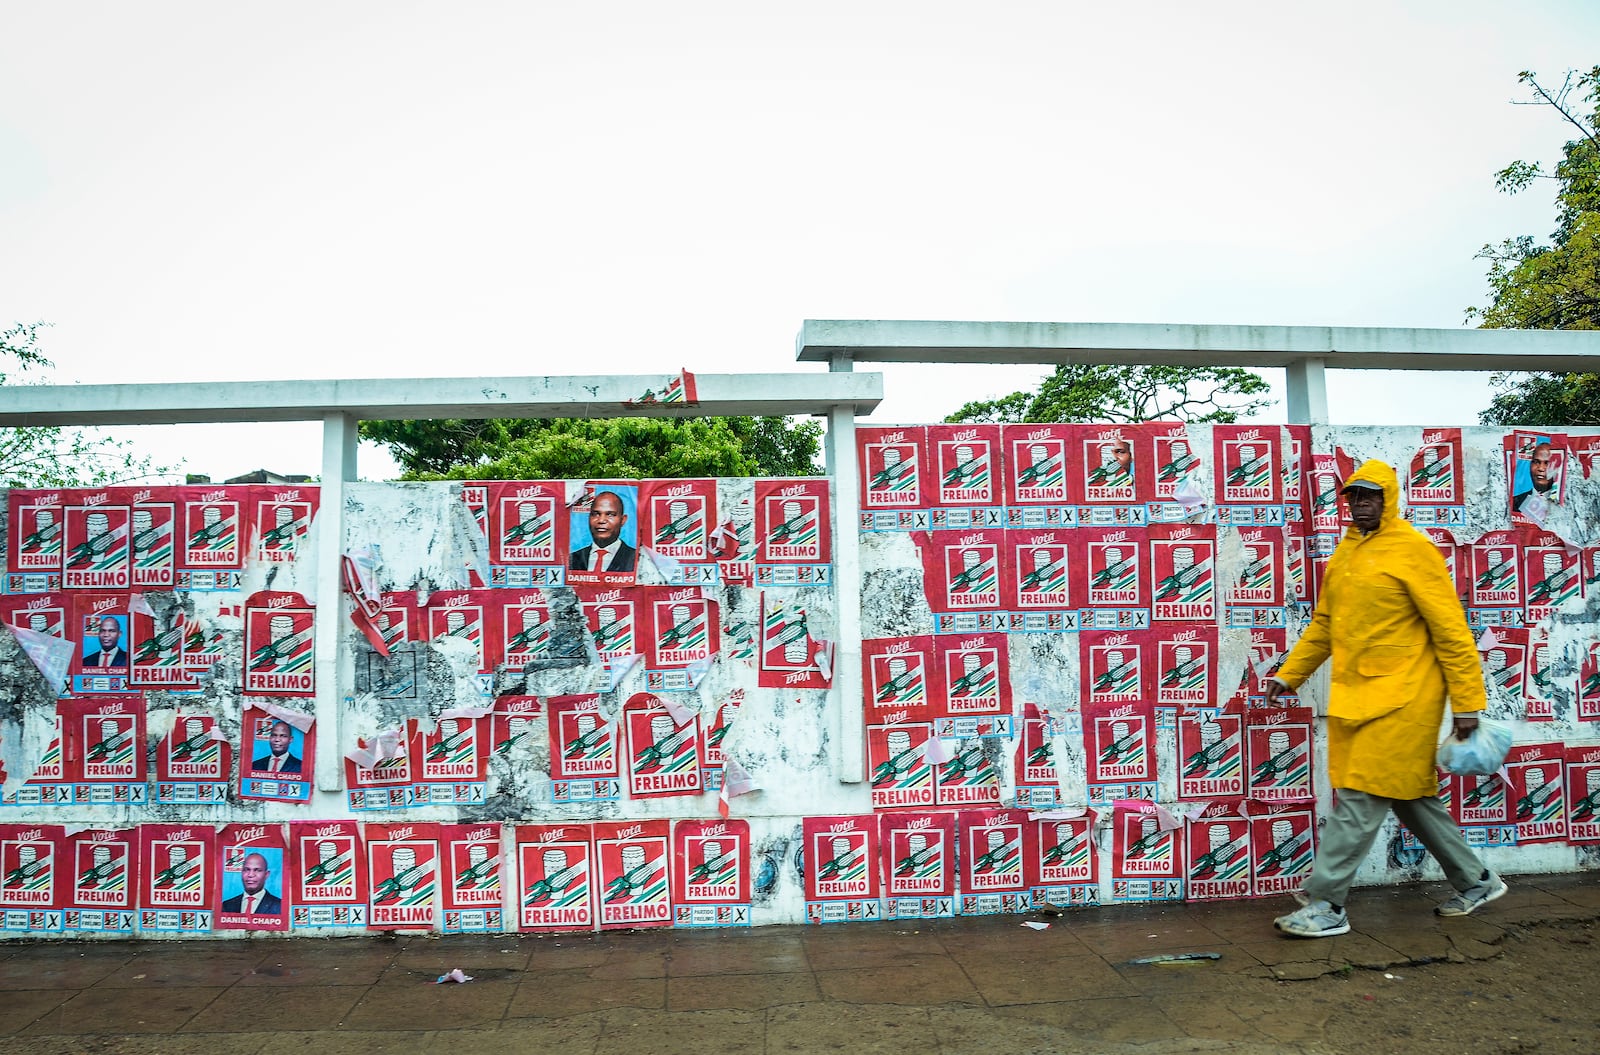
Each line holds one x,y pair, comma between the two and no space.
964,985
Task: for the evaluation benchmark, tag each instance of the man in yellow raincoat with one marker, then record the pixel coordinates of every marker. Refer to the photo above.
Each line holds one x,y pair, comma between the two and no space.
1389,618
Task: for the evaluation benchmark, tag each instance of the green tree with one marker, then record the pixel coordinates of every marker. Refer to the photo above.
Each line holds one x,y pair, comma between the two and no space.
598,448
51,456
1094,392
1554,285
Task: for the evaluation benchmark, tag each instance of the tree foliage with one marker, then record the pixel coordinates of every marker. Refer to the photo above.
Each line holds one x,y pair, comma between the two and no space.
1080,392
599,448
51,456
1554,285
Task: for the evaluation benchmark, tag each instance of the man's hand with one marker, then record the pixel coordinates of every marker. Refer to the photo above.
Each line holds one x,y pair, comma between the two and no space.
1464,724
1275,688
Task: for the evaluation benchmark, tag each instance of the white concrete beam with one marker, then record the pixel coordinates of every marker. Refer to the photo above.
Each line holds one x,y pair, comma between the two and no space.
441,397
1339,347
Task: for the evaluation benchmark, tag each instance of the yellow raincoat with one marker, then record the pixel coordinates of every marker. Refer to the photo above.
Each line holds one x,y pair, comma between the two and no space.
1390,618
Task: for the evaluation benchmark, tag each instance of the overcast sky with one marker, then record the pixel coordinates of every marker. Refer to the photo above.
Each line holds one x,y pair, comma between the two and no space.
205,191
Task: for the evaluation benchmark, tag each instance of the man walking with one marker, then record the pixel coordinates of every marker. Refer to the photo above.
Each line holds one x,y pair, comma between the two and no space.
1390,620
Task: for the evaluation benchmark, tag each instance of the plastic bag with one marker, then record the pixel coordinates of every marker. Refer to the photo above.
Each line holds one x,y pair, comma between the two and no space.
1483,751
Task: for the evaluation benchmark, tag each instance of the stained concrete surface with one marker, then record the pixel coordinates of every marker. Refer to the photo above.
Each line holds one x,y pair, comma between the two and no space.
972,984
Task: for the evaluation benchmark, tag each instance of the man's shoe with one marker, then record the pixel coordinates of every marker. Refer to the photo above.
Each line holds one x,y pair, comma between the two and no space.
1474,897
1319,919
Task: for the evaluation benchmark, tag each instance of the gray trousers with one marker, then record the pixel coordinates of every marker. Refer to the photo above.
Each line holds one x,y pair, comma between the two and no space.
1353,823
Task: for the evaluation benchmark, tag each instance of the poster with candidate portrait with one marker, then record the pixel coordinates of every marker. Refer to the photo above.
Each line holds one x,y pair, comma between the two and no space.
276,753
1536,472
253,878
603,534
100,628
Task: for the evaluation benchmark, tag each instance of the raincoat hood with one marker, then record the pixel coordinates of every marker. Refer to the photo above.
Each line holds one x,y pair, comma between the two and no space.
1374,471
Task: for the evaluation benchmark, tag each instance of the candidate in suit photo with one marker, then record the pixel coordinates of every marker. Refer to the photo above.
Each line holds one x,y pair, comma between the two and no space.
110,654
278,759
255,899
608,551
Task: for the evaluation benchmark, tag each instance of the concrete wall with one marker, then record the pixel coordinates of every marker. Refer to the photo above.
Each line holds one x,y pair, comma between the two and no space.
429,546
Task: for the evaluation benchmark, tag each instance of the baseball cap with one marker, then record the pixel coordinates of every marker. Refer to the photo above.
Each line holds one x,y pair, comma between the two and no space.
1365,485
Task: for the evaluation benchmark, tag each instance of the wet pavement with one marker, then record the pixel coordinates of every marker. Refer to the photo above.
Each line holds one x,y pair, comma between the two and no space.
971,984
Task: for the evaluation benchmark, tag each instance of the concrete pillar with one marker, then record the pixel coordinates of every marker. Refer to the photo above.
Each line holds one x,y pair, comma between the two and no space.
1308,391
850,736
338,466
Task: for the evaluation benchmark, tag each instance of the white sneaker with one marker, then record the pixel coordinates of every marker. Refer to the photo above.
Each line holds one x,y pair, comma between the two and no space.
1468,901
1319,919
